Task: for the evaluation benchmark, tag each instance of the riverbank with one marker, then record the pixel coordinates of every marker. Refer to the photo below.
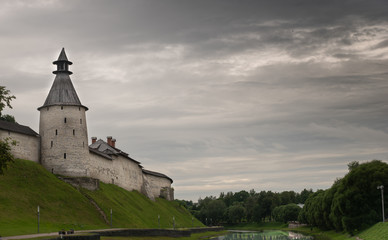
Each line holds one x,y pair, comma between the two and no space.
379,231
128,234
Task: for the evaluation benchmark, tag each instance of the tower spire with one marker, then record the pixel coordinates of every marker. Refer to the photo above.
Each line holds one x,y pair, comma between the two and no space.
62,91
62,63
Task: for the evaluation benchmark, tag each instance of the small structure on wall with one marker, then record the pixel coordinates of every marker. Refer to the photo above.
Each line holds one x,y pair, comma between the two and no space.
62,143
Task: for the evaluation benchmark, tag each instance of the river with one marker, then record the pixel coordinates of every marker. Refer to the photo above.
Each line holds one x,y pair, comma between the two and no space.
263,235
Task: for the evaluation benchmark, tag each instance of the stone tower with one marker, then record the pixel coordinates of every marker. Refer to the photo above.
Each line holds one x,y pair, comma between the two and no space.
62,127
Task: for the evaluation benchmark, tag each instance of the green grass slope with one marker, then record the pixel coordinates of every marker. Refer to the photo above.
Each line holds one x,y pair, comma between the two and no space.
379,231
26,184
134,210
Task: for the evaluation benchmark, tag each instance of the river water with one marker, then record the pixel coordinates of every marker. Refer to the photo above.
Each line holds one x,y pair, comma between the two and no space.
264,235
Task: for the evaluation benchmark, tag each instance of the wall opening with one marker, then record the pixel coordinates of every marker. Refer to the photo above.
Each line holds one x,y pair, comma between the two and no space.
52,144
65,120
73,132
61,107
80,121
56,131
64,155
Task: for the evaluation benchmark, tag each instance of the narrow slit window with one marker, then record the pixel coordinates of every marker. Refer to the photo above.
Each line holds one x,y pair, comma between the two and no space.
73,132
65,120
83,144
52,143
56,131
61,107
64,155
80,121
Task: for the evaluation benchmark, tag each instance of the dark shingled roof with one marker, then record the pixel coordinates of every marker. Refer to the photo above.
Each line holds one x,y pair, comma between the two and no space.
62,91
103,149
156,174
15,127
62,57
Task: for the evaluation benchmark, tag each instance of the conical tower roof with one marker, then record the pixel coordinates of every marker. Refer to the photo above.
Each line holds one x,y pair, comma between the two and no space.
62,91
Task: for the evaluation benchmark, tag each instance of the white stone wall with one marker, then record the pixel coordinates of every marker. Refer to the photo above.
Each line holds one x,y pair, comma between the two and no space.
120,171
64,144
27,146
157,183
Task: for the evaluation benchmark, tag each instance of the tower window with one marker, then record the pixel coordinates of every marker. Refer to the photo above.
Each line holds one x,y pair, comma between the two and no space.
56,131
65,120
64,155
52,143
73,131
61,107
79,108
83,144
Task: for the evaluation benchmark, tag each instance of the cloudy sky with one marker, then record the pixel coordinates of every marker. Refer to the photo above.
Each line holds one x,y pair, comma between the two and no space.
219,95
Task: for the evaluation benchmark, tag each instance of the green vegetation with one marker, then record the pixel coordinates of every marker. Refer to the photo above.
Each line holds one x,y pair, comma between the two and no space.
353,203
26,184
5,101
134,210
378,231
286,213
6,156
243,206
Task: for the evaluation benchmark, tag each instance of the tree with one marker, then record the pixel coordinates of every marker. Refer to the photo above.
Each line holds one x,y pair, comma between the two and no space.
286,213
236,213
5,101
5,153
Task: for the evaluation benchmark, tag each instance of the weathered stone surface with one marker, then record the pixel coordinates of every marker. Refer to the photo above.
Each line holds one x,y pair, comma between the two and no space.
28,147
64,140
91,184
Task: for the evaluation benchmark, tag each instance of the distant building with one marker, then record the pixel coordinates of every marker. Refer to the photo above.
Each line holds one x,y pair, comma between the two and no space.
62,143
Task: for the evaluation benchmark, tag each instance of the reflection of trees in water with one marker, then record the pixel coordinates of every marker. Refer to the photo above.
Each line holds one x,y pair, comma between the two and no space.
262,236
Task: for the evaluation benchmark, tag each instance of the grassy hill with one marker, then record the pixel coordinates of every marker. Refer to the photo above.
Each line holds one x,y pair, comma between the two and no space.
26,185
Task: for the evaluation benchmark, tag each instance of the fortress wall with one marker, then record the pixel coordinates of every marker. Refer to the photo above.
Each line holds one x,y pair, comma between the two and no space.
28,147
130,173
120,171
159,183
64,146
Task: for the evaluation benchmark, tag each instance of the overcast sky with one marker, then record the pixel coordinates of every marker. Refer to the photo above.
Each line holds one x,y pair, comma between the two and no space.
218,95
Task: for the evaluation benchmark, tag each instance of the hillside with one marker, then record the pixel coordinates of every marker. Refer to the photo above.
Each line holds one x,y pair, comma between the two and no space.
26,185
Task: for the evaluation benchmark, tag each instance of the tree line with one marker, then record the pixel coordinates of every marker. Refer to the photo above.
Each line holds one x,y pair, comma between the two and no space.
252,206
353,203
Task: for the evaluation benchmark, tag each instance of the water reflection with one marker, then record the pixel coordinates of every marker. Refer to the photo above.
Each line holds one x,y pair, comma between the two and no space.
266,235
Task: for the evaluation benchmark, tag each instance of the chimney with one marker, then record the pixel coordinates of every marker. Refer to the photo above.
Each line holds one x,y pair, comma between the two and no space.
113,142
94,139
109,140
